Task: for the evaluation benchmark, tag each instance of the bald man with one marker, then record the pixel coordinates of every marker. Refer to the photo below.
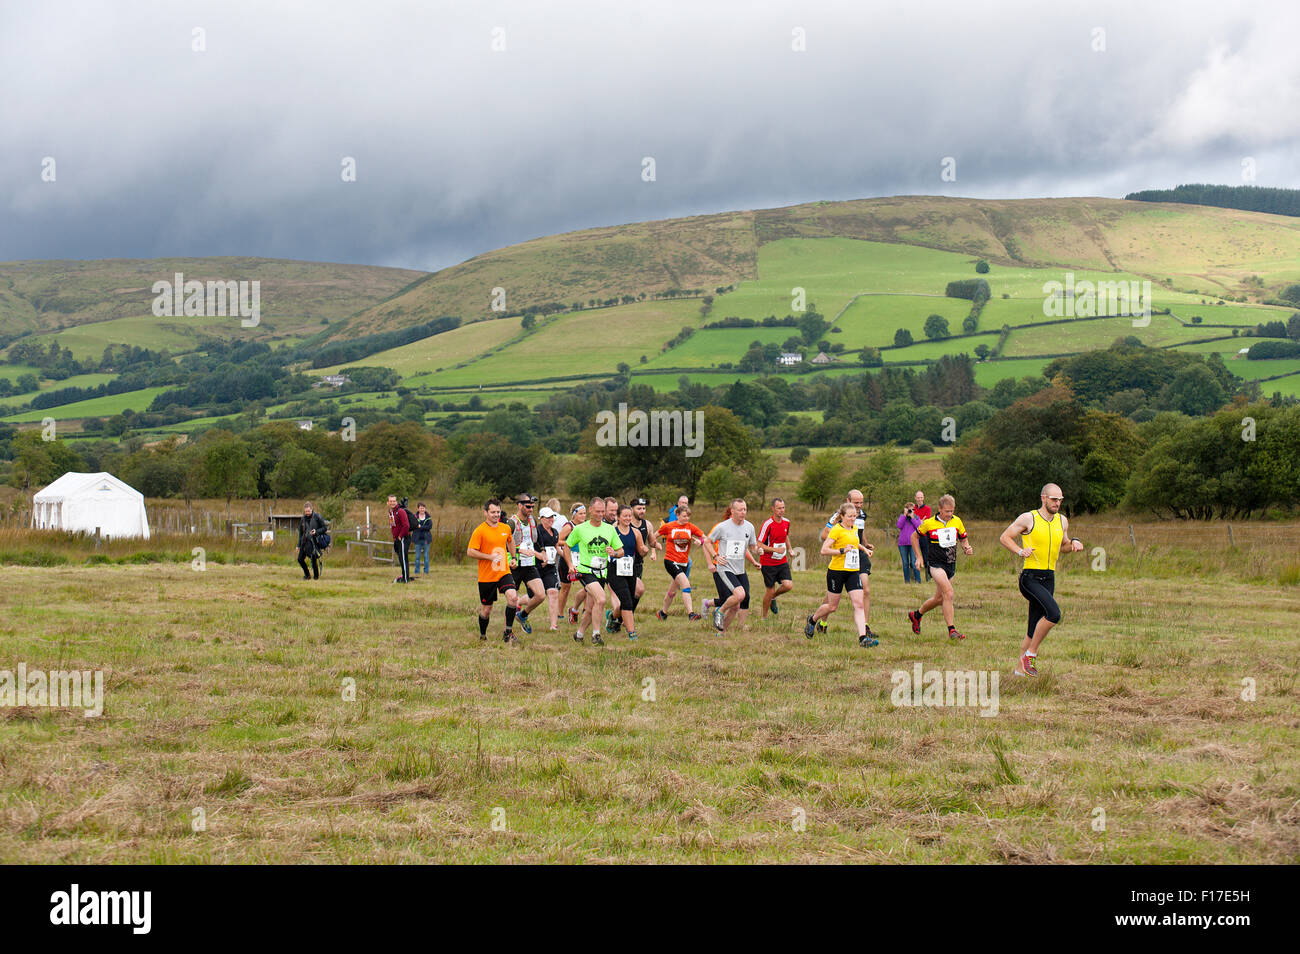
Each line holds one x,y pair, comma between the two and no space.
1043,535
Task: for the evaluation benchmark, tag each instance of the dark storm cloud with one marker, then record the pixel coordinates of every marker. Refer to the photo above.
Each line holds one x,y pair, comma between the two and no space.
236,150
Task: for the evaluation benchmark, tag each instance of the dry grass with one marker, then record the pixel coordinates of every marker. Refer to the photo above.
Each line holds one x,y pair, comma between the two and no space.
224,694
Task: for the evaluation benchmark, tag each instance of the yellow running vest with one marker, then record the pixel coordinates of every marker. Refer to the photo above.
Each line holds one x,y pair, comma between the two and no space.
1045,537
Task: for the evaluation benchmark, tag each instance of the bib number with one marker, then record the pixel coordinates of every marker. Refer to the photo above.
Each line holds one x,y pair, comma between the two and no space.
597,563
780,551
527,559
623,566
947,537
550,555
735,548
860,523
852,559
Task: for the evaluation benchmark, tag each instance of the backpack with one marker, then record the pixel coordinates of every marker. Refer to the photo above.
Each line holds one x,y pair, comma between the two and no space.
411,521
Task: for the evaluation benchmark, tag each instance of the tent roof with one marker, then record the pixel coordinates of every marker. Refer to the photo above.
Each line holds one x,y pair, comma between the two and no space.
72,484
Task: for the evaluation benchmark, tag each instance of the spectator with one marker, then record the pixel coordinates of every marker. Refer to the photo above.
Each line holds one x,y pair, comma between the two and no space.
422,537
401,528
908,521
308,549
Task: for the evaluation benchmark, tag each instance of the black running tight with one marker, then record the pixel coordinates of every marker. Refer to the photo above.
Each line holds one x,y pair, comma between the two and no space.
1037,586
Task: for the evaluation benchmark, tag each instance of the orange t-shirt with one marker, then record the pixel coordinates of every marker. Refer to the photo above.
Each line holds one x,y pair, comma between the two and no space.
493,540
678,547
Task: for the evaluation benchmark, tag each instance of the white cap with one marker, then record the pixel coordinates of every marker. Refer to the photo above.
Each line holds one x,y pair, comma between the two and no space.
547,512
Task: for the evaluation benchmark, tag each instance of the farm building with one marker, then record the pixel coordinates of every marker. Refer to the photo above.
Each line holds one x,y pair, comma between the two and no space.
91,503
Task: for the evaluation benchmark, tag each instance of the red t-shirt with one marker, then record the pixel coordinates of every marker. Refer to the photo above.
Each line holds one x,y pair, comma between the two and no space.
774,532
923,512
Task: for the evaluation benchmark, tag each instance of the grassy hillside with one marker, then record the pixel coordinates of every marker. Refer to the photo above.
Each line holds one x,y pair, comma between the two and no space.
44,296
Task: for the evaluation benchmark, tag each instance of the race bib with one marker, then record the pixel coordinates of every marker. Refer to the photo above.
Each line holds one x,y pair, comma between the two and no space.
735,548
860,523
598,563
527,559
852,559
550,555
947,537
780,551
623,566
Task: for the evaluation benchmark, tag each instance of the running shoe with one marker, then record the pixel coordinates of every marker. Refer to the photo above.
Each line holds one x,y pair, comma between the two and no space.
509,637
577,637
868,641
596,640
573,615
717,618
609,621
810,629
872,634
822,627
632,634
914,618
954,635
1027,663
661,615
775,611
523,621
694,617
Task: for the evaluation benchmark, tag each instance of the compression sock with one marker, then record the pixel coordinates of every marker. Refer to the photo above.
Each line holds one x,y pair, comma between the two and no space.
510,617
482,625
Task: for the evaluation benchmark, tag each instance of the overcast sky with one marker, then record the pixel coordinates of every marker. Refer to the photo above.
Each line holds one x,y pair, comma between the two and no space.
163,150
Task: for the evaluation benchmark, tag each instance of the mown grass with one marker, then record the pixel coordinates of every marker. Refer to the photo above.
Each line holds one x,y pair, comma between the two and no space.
225,693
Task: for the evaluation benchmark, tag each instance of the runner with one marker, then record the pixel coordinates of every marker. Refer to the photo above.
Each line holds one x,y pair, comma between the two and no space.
492,545
773,538
623,579
568,576
588,549
677,536
524,530
860,525
737,541
682,501
941,533
643,527
1039,530
613,615
847,551
548,545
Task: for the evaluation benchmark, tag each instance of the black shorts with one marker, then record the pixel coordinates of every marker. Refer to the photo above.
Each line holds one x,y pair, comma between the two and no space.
487,592
525,573
624,588
724,591
586,579
772,575
562,568
949,568
550,578
674,569
837,581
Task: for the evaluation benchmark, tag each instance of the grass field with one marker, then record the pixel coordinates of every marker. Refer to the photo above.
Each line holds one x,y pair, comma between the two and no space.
94,407
225,694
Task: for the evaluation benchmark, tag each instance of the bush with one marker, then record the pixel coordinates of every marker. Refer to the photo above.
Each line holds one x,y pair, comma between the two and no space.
799,455
982,267
922,446
470,493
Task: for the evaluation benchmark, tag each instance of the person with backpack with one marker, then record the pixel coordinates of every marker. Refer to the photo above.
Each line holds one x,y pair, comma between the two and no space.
422,537
311,540
399,522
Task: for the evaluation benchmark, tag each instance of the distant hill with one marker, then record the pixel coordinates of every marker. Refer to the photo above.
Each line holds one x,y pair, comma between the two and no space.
46,296
1162,241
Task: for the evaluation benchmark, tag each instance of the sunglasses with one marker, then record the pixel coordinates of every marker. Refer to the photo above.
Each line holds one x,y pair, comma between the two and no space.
1056,499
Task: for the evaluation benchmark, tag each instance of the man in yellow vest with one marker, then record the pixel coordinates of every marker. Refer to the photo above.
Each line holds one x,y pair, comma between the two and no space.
1039,536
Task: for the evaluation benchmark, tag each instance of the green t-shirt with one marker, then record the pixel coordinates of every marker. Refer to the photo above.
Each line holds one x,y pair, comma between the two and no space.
594,543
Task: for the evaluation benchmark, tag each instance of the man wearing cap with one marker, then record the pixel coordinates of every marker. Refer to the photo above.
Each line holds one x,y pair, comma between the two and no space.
524,530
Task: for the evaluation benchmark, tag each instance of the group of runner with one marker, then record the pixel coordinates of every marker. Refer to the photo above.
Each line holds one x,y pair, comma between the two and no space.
602,548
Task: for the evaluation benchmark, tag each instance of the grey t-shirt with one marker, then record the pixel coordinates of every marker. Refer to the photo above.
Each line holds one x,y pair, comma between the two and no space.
732,542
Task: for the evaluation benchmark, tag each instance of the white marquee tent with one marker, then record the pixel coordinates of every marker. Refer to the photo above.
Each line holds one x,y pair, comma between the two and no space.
91,503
